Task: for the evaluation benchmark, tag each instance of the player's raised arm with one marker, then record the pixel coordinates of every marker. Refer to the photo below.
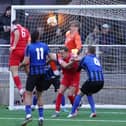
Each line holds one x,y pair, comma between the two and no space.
52,56
52,62
16,38
16,35
64,53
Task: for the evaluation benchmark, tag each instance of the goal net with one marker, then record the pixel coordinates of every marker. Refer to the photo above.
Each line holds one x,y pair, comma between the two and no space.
95,2
53,22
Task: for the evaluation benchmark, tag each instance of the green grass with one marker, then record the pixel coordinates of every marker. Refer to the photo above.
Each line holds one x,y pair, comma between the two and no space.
105,117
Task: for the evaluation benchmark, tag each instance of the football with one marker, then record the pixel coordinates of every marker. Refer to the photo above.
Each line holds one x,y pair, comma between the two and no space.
52,21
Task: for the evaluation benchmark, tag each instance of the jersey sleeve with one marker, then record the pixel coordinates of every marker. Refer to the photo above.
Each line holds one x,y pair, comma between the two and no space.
81,64
67,33
59,58
47,50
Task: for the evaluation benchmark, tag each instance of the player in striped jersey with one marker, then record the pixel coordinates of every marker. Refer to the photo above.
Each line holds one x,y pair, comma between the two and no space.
95,81
36,55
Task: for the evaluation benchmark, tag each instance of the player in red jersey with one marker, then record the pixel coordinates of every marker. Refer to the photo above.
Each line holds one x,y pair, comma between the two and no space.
70,78
20,37
73,38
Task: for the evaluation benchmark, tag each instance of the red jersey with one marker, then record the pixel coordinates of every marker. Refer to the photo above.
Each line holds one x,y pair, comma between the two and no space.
70,76
23,37
73,41
69,71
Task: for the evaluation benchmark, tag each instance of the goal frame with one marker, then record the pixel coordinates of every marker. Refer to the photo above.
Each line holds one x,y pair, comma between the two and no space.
13,17
16,7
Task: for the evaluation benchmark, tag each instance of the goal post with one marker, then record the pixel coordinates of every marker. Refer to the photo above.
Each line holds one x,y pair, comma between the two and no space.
36,16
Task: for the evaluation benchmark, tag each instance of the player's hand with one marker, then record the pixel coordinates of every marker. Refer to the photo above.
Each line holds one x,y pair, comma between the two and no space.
56,75
56,72
12,48
22,66
6,28
74,59
74,52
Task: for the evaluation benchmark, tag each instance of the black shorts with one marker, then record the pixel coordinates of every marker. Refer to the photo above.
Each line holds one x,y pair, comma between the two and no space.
56,83
53,81
37,81
91,87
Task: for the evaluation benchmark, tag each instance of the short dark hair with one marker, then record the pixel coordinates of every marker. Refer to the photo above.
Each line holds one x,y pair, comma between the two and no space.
14,22
35,36
76,23
8,8
64,48
92,49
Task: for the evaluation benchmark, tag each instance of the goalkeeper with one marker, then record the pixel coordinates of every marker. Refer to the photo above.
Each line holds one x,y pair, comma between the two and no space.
73,38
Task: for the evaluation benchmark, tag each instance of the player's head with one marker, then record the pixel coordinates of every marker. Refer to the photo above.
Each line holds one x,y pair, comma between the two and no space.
13,26
97,29
74,25
14,22
91,49
8,11
64,52
35,36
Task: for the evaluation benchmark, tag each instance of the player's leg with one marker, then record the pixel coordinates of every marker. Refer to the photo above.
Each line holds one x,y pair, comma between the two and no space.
40,108
14,61
75,104
17,81
56,83
59,99
74,86
28,101
93,87
42,85
64,109
30,84
34,100
71,94
63,101
92,105
77,100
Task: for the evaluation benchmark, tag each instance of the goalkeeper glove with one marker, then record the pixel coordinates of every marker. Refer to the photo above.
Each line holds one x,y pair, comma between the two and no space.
74,52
